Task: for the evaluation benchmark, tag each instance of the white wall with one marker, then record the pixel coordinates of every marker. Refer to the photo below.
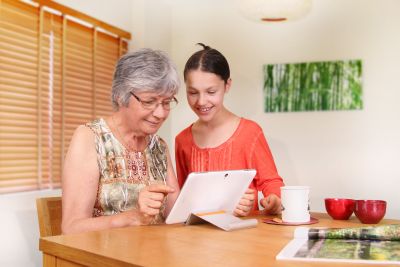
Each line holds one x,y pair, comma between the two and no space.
351,154
19,229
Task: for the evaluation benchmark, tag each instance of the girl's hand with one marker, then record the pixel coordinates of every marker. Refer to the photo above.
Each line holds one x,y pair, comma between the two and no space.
271,204
246,203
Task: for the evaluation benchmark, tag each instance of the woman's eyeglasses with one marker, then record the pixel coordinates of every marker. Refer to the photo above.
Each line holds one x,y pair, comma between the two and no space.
167,104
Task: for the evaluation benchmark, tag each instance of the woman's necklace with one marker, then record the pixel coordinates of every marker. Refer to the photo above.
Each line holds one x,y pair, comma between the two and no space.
125,144
134,160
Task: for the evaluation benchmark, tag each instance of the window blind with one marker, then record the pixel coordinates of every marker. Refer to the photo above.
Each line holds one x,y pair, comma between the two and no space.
55,74
50,101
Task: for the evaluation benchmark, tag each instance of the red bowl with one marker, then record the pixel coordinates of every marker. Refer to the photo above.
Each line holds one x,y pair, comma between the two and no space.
370,211
339,208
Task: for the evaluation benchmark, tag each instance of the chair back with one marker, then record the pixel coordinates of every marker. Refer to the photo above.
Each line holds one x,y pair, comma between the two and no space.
49,215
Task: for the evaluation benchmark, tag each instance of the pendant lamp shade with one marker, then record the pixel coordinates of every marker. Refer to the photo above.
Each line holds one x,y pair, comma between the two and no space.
274,10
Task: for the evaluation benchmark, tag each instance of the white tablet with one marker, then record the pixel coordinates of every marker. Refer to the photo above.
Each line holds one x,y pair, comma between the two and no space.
210,191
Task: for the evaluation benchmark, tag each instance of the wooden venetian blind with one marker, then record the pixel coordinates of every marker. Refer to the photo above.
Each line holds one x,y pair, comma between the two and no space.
55,74
50,123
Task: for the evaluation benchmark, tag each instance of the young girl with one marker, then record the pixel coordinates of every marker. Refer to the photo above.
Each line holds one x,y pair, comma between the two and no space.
221,140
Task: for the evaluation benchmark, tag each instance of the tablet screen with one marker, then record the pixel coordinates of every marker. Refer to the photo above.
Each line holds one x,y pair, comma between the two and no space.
210,191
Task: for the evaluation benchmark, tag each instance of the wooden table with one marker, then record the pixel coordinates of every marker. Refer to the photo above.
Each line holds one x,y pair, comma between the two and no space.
178,245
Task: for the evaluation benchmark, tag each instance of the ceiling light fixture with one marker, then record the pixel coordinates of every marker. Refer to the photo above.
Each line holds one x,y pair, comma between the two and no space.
274,10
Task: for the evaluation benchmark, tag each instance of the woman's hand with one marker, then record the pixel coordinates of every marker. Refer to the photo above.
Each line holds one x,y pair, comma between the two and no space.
246,203
271,204
151,199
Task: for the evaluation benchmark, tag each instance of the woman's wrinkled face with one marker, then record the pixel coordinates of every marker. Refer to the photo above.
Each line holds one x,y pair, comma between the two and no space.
147,111
205,93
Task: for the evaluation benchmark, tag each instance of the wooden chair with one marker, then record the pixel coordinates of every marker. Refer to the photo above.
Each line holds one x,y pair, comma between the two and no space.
49,215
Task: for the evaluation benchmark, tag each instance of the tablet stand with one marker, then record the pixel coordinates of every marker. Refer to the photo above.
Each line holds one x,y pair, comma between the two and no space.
221,219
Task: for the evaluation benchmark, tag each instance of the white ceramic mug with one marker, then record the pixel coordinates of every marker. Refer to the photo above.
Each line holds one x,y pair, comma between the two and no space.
295,204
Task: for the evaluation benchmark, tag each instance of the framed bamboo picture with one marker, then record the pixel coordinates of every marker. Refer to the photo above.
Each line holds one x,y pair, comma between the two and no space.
313,86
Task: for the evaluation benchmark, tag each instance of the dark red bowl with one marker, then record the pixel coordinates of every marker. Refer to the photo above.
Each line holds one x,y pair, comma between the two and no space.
370,211
339,208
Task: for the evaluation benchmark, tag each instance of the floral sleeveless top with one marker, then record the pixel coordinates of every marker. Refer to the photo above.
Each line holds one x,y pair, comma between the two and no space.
123,173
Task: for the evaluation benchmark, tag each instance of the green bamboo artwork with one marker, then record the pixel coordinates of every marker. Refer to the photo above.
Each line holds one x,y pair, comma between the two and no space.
313,86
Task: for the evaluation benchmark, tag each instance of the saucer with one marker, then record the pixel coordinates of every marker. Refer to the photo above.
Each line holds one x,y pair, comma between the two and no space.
312,221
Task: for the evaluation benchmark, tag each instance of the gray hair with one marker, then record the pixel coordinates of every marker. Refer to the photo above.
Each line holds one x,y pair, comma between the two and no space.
145,70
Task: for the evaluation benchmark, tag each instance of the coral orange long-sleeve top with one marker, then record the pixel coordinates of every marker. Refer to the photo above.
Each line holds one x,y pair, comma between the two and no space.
247,148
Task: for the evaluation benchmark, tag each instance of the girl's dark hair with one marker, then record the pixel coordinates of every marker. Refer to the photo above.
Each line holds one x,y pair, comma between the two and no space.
208,60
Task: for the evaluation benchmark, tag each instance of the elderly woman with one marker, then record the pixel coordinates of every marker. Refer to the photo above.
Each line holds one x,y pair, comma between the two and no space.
117,171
